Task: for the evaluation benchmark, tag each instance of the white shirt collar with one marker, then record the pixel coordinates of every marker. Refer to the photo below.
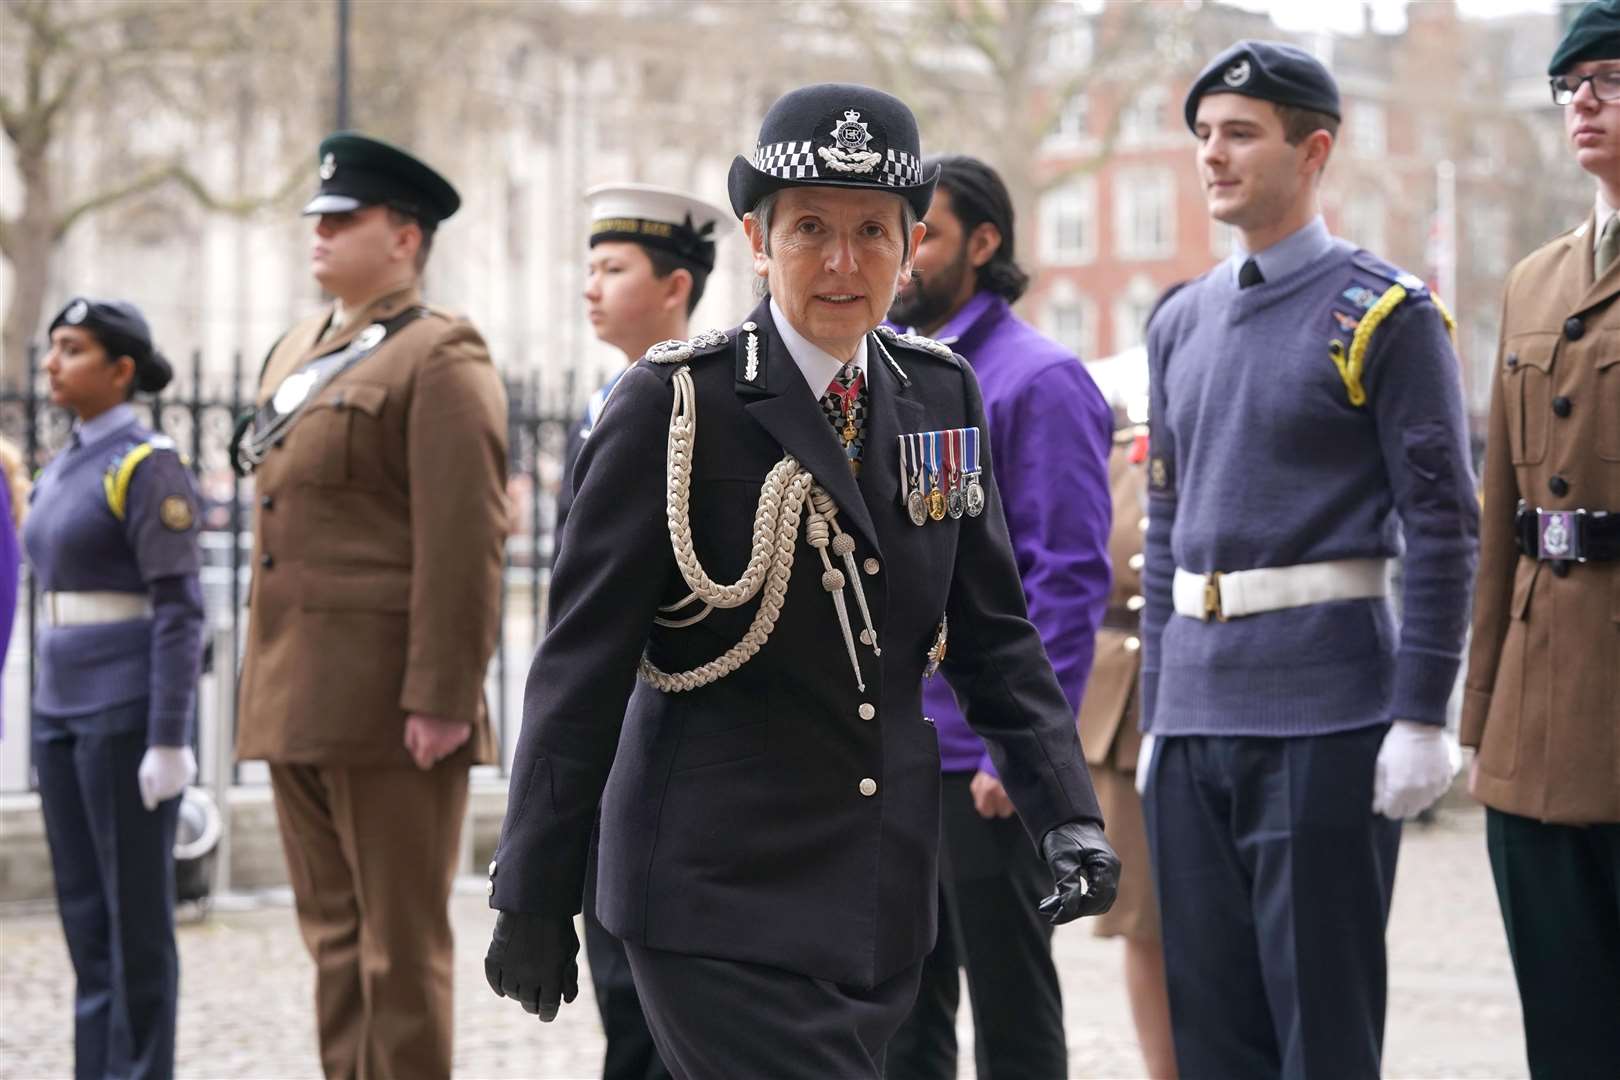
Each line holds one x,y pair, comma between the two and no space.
816,364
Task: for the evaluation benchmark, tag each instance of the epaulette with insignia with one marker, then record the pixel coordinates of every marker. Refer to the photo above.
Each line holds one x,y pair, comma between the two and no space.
1358,310
917,341
676,351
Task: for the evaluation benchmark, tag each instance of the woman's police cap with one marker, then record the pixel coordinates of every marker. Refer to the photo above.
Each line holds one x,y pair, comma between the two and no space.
1594,34
122,331
358,171
1270,71
657,217
834,135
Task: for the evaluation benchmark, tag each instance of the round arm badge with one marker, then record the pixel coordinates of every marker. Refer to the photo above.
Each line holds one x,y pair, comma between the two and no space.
175,513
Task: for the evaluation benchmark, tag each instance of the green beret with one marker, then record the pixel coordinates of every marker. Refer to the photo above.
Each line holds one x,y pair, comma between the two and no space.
1594,34
357,171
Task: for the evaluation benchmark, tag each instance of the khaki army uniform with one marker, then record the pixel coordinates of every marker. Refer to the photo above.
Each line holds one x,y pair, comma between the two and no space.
377,552
1543,685
1111,708
1542,701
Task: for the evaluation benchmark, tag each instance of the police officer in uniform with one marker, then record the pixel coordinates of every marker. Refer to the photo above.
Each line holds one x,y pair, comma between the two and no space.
1542,698
112,538
774,583
651,251
1307,425
378,447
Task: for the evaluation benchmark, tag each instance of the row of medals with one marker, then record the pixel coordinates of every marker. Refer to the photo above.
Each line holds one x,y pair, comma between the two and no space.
939,475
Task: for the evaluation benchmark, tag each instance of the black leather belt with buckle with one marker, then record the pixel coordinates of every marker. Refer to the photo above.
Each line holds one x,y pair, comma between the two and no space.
1568,536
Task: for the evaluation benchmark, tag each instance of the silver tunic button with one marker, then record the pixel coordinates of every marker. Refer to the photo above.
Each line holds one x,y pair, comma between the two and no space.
1142,523
492,886
870,566
492,868
1136,561
1136,603
869,787
866,637
866,710
1132,644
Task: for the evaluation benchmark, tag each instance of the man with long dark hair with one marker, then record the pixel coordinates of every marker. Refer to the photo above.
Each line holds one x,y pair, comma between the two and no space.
1050,433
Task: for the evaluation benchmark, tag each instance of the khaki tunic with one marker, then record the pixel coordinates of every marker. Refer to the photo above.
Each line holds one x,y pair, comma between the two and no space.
1109,711
1542,698
377,547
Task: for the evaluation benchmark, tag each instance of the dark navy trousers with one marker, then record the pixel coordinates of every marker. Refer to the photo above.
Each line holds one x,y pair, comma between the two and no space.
1274,877
114,866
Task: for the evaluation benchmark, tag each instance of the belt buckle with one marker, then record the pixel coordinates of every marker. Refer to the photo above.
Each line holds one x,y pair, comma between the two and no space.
1559,535
1212,597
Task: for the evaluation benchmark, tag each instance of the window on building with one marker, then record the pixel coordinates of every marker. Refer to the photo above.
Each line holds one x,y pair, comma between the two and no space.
1366,123
1131,311
1071,318
1144,213
1363,220
1144,115
1069,223
1068,41
1073,121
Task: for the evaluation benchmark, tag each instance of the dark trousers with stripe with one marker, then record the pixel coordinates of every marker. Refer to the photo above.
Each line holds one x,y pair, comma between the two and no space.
1559,887
1275,878
114,866
991,883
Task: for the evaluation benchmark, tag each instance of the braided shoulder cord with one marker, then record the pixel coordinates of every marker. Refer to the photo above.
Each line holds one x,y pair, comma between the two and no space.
782,500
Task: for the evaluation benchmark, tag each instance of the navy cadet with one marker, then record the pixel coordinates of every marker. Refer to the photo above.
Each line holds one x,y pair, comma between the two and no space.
379,454
1542,698
781,579
1307,419
112,539
651,252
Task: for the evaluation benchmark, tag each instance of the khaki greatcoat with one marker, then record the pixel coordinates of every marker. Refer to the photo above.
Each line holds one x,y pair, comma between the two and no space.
377,543
1542,696
1110,709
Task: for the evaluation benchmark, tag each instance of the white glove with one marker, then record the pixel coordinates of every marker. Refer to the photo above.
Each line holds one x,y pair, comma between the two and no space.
1415,766
164,773
1144,761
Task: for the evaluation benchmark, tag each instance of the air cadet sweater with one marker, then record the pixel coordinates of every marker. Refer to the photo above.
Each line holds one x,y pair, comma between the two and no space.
1260,459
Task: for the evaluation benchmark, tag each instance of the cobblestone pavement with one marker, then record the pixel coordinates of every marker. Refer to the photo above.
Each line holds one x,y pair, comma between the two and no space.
246,988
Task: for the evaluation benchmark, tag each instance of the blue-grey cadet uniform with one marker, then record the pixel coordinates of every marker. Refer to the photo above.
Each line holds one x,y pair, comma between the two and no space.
115,513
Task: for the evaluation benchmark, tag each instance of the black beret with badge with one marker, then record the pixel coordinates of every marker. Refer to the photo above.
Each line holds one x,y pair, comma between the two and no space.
357,171
122,331
1594,34
835,135
1268,70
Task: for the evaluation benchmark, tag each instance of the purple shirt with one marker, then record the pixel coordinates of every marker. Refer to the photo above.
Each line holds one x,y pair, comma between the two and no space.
1050,433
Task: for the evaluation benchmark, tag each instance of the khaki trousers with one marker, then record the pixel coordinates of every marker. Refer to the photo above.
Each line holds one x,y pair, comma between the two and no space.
371,854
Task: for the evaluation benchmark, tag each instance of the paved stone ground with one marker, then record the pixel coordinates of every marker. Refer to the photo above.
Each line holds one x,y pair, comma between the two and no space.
245,1002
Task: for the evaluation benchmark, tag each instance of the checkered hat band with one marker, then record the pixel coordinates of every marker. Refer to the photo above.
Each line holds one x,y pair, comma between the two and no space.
901,169
787,160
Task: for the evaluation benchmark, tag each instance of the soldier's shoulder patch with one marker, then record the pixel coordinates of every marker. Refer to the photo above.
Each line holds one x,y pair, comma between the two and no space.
1161,475
175,513
676,351
917,343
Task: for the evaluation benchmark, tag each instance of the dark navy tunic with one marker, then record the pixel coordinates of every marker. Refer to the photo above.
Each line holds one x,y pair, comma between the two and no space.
76,542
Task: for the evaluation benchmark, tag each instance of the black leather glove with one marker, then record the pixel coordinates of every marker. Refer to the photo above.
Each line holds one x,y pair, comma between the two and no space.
1085,868
531,959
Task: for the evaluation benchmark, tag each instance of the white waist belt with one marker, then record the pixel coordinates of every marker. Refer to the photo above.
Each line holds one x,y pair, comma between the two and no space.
89,608
1223,596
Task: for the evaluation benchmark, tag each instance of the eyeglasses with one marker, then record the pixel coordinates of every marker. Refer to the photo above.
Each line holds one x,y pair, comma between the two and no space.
1605,86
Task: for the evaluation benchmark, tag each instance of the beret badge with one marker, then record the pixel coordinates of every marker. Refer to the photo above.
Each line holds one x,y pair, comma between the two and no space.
1237,74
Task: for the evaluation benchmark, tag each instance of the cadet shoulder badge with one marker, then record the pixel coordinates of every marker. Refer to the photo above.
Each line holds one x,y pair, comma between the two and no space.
175,513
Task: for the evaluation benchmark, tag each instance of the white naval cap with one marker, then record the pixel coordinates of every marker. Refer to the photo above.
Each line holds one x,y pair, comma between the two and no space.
659,217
